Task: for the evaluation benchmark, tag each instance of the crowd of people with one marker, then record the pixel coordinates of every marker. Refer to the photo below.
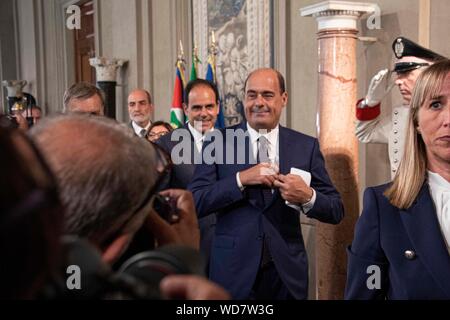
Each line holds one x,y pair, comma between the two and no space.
80,189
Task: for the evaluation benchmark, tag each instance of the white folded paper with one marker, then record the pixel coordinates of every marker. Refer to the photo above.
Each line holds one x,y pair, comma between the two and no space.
306,176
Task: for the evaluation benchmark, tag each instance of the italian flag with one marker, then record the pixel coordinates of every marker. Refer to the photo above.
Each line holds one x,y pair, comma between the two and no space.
176,111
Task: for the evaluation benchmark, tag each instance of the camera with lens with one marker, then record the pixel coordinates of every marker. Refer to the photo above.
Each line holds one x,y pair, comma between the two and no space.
137,278
166,208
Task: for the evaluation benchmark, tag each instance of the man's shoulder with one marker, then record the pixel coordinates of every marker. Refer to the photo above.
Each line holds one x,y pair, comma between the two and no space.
297,136
235,127
174,137
284,131
227,130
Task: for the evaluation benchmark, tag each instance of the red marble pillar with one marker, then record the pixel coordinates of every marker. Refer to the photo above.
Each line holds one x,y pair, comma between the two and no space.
336,131
337,97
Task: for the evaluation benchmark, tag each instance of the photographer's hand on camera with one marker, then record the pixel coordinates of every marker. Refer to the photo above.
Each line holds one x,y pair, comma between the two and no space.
185,230
191,287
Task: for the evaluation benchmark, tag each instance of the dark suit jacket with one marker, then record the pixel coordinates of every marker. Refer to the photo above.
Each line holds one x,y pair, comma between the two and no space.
181,174
383,233
243,219
179,178
130,125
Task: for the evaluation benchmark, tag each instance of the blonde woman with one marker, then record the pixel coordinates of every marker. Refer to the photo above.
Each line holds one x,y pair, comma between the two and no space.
402,239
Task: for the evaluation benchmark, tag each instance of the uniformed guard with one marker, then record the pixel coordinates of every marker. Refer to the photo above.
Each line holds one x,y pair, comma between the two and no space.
411,60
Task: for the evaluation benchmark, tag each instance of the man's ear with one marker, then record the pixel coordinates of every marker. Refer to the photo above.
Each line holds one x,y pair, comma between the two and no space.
116,248
185,107
284,97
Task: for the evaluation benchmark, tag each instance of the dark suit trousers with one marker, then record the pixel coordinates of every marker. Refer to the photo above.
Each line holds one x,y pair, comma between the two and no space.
269,286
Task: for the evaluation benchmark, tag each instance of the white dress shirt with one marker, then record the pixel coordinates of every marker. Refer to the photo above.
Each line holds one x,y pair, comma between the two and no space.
198,137
274,156
137,128
440,193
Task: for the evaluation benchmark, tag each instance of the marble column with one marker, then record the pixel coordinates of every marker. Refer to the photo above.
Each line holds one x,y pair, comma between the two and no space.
336,131
106,73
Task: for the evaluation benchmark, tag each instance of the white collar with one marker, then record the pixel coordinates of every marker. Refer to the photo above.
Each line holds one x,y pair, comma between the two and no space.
198,136
272,136
137,128
435,180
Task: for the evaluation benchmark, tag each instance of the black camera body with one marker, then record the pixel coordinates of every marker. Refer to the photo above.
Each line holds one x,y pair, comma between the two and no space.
166,208
137,278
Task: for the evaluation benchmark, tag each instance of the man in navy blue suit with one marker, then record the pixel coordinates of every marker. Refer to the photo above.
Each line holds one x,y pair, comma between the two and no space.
201,108
261,177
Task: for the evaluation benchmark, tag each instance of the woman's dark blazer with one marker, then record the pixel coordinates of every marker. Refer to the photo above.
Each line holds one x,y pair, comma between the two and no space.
405,246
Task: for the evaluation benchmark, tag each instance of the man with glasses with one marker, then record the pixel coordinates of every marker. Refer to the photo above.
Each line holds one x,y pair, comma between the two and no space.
108,189
371,127
105,181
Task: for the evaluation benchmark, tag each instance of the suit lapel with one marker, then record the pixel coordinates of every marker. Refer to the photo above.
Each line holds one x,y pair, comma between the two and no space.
285,147
423,229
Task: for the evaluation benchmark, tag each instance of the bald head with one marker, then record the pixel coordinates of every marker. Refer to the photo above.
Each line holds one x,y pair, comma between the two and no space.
279,76
265,98
97,166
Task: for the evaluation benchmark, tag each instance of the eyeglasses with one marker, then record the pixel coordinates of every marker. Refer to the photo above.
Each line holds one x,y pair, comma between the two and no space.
163,165
157,135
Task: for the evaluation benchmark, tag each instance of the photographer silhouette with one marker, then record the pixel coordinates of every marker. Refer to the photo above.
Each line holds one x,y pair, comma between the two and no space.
107,180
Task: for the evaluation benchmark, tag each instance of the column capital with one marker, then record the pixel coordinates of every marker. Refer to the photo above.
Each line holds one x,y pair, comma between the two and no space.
335,14
106,68
14,87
